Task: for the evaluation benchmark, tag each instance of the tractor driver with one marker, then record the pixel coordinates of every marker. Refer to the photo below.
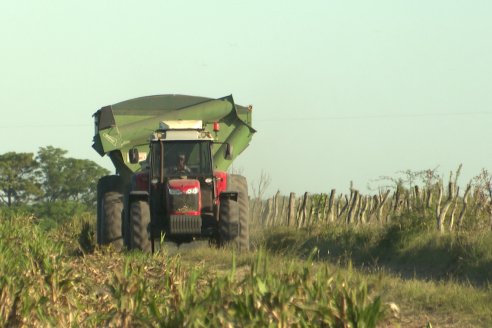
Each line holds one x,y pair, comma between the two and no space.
181,167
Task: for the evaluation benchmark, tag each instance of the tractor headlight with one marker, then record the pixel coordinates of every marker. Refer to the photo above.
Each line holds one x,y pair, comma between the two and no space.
192,191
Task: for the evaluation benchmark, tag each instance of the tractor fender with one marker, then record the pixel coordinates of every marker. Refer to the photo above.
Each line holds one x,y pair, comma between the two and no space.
138,195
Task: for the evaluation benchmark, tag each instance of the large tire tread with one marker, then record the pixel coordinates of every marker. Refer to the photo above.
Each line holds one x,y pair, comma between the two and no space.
243,203
238,210
109,211
139,226
229,215
112,209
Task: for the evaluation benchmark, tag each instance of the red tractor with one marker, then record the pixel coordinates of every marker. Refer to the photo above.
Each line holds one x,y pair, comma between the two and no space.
177,192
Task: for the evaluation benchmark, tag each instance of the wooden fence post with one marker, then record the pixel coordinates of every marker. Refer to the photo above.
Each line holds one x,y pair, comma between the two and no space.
428,201
266,212
275,208
342,210
331,207
353,206
303,215
465,205
441,213
418,200
292,209
363,208
321,208
282,211
438,205
453,210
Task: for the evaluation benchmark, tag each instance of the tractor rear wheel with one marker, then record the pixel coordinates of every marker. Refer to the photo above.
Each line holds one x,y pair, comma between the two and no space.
243,203
236,211
109,211
139,226
229,220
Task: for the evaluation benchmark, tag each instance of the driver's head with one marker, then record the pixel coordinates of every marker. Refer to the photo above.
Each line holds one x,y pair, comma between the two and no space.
181,159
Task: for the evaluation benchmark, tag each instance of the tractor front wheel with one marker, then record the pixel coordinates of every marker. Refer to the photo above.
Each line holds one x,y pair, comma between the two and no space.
140,226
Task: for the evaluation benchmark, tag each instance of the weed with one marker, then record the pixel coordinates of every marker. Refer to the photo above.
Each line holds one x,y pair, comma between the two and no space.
288,281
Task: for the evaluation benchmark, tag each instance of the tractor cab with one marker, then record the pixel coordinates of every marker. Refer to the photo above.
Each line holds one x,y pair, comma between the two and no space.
177,159
180,179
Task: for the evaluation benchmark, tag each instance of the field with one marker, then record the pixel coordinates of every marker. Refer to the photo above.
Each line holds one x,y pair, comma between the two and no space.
330,275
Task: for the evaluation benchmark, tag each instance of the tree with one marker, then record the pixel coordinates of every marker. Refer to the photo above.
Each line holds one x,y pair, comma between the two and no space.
82,180
18,181
260,187
68,178
52,168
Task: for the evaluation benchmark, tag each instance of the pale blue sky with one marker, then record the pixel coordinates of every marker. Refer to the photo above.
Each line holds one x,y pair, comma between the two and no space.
341,90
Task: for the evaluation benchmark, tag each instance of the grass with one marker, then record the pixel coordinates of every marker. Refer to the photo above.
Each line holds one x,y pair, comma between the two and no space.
55,277
441,278
335,276
400,248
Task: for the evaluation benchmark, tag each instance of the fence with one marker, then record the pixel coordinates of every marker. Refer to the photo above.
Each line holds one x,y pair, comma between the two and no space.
448,208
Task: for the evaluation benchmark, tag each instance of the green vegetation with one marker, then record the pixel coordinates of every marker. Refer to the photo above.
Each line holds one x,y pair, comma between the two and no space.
49,185
352,263
441,277
409,246
353,276
51,279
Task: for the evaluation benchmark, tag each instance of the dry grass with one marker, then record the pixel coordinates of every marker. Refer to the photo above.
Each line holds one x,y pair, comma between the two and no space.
49,281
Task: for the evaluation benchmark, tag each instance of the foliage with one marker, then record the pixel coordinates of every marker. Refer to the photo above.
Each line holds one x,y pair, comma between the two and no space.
68,178
408,179
18,181
58,211
46,283
16,210
50,186
408,246
59,278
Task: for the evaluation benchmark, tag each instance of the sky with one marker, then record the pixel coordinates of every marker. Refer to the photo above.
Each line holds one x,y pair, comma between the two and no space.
341,90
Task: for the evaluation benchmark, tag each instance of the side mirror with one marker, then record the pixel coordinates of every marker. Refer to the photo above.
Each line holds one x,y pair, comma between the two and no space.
133,154
228,152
